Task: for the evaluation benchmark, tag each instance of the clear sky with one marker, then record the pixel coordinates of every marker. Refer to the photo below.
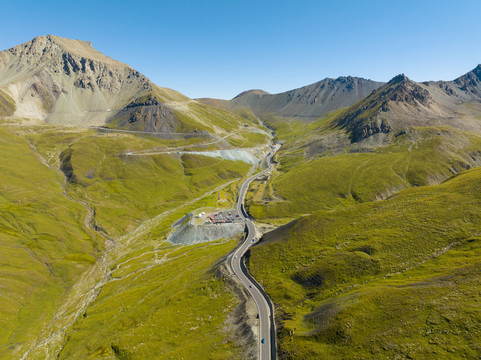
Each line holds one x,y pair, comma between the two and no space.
215,48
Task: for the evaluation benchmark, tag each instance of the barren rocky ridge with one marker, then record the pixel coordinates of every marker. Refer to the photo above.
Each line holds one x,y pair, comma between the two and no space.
402,102
372,108
68,82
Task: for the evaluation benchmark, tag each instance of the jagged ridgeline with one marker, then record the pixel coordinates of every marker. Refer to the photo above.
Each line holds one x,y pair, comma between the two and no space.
402,103
68,82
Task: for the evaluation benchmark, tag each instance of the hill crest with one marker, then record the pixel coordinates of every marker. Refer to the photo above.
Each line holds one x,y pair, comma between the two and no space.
308,102
402,102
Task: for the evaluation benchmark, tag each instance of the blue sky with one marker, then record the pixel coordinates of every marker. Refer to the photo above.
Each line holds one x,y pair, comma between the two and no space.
217,48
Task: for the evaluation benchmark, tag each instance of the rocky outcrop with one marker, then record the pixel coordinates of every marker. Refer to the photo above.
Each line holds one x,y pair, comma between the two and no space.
407,91
470,82
388,108
68,82
146,114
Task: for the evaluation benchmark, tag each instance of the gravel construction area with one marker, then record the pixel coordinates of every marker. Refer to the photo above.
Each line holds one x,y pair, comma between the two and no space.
202,226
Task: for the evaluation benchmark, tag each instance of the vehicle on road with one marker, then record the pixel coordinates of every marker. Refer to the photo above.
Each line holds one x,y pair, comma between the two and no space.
263,340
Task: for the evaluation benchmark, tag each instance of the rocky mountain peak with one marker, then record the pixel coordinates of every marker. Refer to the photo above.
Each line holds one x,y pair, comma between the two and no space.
470,82
253,92
45,48
61,78
399,79
371,115
476,72
66,44
344,79
307,102
402,89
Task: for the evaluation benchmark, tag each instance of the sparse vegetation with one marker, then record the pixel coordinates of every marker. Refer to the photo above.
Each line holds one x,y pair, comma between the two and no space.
7,104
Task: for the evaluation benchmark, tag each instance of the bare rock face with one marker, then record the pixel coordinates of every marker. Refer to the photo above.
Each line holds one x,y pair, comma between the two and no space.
400,103
470,83
408,91
68,82
147,114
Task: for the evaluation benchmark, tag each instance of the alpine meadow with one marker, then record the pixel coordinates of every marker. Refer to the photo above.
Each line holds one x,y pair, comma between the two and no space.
336,220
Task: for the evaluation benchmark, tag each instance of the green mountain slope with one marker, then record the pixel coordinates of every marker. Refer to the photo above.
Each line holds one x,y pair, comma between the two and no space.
7,105
98,163
416,157
403,134
45,246
396,278
390,279
85,215
377,256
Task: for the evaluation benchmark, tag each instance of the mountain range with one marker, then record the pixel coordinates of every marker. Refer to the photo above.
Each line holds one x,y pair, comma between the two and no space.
402,102
68,82
63,81
368,222
372,107
306,103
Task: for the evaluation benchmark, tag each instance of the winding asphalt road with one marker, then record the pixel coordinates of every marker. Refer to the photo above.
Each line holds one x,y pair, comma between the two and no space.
267,350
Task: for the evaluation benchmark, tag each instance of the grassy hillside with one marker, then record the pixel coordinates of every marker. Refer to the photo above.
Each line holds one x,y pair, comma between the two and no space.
45,246
152,300
162,302
154,112
415,157
69,291
392,279
127,189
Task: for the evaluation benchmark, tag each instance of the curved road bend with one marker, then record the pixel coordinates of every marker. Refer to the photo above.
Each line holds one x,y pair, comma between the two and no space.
267,350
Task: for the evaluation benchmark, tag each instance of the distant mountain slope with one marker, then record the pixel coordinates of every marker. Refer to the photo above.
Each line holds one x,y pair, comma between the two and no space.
306,103
468,85
401,135
402,102
68,82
